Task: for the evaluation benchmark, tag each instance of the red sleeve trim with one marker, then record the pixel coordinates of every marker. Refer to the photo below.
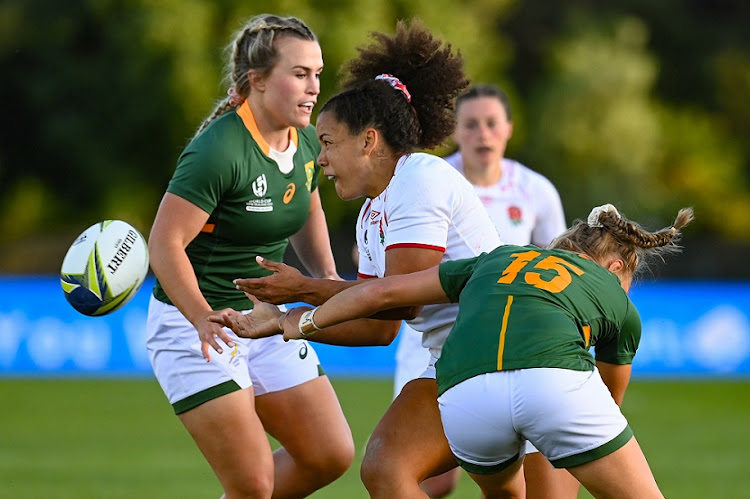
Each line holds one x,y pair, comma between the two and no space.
366,276
416,245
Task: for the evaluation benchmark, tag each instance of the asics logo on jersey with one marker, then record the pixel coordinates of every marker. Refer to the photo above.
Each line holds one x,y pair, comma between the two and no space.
303,351
260,186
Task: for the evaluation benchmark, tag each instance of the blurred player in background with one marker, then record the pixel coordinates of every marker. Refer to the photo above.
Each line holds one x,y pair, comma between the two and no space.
399,97
246,185
516,365
526,209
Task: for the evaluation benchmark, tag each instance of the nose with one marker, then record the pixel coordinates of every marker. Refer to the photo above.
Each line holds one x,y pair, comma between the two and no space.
322,160
484,131
314,86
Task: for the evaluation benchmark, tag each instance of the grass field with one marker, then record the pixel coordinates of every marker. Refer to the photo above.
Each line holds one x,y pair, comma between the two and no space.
119,439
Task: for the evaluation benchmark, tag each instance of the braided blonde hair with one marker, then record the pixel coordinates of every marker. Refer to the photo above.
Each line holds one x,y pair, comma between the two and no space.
253,50
612,233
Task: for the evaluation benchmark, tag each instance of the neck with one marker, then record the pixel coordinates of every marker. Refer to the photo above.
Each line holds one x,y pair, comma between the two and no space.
382,173
483,175
274,133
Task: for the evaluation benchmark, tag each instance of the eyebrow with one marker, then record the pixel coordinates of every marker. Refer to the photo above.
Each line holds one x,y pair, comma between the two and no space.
305,68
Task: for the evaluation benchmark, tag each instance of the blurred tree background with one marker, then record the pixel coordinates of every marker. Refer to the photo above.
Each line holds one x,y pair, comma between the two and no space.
639,103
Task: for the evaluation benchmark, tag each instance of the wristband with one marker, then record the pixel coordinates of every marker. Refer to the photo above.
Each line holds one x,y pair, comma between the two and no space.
307,326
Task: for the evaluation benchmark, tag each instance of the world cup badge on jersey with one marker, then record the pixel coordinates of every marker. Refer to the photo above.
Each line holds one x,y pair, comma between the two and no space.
515,215
261,203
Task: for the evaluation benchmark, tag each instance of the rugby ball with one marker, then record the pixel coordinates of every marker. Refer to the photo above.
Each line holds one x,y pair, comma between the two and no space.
104,267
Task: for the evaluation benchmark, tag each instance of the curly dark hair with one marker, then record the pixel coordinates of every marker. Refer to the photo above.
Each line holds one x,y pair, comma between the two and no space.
429,69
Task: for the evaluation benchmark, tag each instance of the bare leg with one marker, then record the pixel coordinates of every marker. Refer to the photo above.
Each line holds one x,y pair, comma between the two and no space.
440,486
317,444
408,445
544,481
233,441
623,474
507,484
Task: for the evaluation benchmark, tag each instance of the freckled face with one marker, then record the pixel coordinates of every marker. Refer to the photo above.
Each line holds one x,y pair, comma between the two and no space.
342,157
482,131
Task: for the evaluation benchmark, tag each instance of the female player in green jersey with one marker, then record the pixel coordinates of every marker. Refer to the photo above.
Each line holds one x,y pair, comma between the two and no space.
247,185
516,364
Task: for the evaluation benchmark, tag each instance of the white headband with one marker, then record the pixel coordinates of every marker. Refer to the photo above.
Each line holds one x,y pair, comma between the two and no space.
593,219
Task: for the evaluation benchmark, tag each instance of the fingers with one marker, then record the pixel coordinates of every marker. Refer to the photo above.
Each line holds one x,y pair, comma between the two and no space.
253,299
210,331
246,284
268,264
226,339
211,342
221,319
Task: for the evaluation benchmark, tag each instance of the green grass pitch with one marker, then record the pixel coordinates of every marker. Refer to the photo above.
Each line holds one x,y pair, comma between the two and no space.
119,439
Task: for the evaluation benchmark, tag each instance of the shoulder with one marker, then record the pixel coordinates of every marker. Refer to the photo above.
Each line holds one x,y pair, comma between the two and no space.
528,175
426,180
455,161
309,135
428,176
426,167
308,141
221,137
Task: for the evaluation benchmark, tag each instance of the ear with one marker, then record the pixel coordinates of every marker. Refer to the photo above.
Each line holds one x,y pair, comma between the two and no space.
510,130
370,139
257,81
615,266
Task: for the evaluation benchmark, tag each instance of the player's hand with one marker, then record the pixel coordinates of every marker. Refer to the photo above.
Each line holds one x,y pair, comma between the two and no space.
263,321
208,331
285,285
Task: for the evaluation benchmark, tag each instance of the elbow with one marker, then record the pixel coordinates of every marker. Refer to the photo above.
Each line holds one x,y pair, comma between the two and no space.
387,332
411,313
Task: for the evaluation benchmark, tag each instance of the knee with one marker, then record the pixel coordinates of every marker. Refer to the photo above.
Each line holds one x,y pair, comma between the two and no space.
258,486
378,467
340,459
440,486
330,463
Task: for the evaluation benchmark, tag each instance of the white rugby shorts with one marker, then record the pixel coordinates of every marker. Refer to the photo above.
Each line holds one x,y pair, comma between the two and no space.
267,364
568,415
411,358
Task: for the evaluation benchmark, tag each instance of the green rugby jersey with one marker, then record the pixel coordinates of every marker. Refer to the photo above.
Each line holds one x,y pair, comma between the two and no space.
254,207
524,307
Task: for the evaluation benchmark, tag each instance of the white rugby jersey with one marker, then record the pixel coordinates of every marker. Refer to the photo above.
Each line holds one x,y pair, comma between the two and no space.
427,204
524,205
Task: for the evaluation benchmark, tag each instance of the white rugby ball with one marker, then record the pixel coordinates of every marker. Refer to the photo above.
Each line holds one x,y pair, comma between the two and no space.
104,267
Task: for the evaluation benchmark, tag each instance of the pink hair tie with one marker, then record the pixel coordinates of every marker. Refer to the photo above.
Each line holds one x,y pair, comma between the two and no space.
395,83
235,99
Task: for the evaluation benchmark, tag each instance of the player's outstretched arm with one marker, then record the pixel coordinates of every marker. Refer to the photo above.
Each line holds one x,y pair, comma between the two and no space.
288,285
365,299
